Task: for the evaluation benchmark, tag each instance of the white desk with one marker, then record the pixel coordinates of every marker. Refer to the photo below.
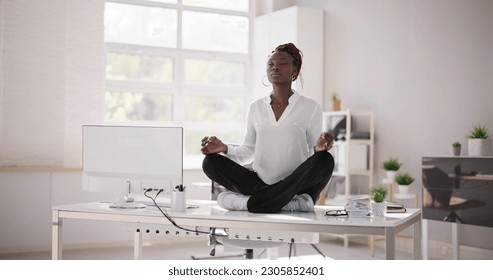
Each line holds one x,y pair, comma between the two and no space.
211,215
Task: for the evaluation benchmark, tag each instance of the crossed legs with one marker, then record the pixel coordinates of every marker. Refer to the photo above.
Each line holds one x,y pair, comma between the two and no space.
310,177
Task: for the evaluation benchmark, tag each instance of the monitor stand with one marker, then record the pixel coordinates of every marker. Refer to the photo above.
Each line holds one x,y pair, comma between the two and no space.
127,202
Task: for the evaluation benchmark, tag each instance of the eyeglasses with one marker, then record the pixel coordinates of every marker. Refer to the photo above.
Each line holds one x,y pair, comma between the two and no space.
336,213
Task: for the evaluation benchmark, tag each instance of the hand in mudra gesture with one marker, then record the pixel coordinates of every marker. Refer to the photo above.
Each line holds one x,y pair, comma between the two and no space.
324,142
213,145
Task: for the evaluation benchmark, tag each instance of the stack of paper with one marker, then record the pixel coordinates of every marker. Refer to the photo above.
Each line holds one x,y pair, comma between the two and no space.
358,206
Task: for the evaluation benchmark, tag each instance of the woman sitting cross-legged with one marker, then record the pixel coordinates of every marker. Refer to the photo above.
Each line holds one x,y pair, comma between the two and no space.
291,163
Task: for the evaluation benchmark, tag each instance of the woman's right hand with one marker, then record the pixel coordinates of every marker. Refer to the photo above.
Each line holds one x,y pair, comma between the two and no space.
213,145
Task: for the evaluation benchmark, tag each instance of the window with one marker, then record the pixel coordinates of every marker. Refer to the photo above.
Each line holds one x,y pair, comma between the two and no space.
179,62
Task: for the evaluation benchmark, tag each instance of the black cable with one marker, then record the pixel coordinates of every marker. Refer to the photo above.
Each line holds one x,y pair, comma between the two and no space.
165,214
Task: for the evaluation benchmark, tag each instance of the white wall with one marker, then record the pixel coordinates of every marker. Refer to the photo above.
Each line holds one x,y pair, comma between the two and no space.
425,68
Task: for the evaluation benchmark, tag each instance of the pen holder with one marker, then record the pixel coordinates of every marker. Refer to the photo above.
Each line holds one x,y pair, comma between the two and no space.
178,201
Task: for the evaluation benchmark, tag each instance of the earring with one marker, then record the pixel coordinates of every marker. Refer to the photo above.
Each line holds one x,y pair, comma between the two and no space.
264,83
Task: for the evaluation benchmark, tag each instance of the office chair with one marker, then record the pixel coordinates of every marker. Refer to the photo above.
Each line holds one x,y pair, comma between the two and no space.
438,195
263,240
221,237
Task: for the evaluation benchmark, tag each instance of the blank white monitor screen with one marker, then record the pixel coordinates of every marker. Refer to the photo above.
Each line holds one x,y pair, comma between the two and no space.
142,156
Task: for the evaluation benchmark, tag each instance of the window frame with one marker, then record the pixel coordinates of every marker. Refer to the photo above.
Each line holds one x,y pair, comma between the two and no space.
177,88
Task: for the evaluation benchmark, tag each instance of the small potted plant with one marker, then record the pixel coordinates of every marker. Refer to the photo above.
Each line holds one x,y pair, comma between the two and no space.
336,102
391,165
456,146
403,181
479,142
378,206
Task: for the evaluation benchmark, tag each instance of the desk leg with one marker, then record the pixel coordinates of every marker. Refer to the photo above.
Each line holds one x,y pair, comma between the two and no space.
417,240
56,236
425,239
137,245
389,243
455,241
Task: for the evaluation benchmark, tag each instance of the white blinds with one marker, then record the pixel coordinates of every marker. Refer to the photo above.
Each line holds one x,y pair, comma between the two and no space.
52,79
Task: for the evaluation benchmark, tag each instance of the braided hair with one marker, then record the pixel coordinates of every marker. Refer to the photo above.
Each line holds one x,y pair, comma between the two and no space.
295,54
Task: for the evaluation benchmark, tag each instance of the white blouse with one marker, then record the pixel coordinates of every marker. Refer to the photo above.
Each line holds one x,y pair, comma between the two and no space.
277,148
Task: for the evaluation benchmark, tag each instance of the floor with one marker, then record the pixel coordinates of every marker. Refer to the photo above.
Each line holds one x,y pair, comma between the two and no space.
332,247
88,264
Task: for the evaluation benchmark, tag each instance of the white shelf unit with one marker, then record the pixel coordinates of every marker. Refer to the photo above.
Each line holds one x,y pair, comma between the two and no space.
354,154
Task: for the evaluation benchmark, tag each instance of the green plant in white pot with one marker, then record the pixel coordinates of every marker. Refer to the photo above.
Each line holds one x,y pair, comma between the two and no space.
403,180
479,142
456,146
378,206
391,165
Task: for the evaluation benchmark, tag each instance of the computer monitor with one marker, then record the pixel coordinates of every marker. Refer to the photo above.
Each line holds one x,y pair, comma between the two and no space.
128,160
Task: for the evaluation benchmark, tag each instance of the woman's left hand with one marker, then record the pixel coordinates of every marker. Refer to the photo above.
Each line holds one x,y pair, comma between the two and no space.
324,142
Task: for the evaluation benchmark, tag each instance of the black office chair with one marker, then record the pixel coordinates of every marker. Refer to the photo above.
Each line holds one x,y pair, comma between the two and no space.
438,195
